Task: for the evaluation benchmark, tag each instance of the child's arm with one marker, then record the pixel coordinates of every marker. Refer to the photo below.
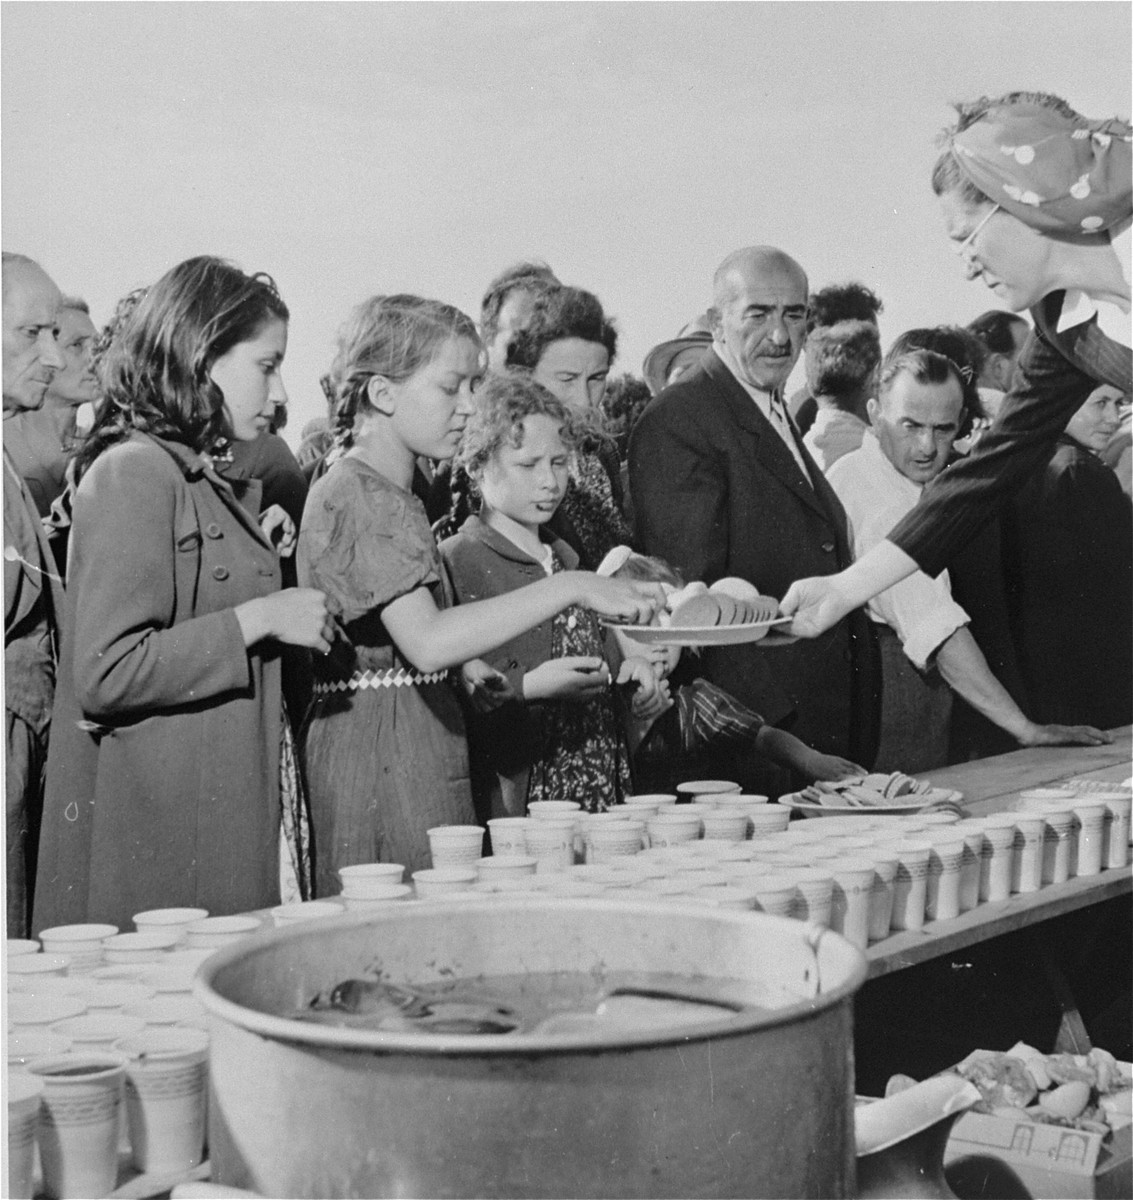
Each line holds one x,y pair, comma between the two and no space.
784,748
434,639
579,678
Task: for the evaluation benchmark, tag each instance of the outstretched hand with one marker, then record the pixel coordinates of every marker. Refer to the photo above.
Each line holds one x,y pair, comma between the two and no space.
627,600
816,604
279,529
1064,735
485,687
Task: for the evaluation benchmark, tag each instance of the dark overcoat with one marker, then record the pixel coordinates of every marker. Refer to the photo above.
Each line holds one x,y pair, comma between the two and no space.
716,492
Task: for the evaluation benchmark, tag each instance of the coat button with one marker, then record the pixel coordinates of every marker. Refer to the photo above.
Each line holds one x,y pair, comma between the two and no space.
220,572
512,665
212,529
828,547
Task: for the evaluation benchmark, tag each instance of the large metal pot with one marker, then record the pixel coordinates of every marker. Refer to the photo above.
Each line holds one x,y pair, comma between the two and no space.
752,1105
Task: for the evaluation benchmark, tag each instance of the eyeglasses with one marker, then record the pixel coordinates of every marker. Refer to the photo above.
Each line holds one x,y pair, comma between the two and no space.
961,248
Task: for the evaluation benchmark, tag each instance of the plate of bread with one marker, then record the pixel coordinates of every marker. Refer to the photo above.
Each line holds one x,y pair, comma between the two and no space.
729,612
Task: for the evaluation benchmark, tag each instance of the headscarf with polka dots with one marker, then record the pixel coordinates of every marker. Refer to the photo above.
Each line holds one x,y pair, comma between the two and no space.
1059,175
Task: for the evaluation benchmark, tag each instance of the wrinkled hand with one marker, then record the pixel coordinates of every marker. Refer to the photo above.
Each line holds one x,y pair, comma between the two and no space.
578,678
627,600
816,604
651,695
829,767
1064,735
485,687
279,529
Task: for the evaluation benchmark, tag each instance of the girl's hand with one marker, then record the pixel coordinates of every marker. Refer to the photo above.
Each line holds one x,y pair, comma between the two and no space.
651,695
578,678
485,687
279,529
627,600
295,616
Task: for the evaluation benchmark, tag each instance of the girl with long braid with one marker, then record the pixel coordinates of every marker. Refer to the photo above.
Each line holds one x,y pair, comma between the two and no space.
386,751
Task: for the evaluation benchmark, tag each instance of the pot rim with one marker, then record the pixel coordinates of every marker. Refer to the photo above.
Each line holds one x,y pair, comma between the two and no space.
329,1037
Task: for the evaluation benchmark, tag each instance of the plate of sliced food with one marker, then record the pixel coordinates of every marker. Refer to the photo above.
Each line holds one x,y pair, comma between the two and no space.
894,794
728,613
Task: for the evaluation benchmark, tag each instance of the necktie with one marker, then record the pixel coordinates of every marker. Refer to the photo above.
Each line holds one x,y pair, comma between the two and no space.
782,423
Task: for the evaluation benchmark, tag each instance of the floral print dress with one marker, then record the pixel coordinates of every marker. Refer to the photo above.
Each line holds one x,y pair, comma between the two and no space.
585,758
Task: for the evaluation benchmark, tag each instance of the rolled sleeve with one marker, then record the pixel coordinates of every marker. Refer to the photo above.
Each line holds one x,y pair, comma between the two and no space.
921,611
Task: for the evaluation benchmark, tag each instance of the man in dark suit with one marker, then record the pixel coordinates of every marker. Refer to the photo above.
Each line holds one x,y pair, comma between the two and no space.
722,485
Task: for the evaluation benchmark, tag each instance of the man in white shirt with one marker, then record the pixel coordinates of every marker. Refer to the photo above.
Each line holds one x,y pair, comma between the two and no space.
926,647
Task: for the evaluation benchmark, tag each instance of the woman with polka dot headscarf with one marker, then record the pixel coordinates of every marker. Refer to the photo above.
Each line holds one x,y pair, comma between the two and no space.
1037,201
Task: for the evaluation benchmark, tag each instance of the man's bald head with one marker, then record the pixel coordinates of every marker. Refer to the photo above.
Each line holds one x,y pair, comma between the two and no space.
758,314
31,357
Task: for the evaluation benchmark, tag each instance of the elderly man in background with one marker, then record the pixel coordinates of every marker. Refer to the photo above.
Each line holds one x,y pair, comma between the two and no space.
33,591
39,440
915,419
508,305
723,486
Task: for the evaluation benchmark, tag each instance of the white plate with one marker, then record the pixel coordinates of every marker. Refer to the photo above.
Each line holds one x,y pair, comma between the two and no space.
808,808
701,635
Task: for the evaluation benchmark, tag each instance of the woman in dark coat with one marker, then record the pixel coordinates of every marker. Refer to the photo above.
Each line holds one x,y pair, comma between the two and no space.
163,774
1068,549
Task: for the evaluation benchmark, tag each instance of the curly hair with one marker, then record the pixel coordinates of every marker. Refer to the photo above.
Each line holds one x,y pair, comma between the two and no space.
842,358
392,336
503,403
947,178
566,312
155,374
842,302
646,568
534,277
961,348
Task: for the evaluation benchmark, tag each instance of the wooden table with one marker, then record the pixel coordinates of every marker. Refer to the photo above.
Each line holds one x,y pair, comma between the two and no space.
991,785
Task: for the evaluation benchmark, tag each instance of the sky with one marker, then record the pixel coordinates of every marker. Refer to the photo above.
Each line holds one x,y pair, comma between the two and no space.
353,149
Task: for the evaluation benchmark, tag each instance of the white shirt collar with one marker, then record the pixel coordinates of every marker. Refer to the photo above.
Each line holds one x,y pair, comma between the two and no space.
890,476
1078,307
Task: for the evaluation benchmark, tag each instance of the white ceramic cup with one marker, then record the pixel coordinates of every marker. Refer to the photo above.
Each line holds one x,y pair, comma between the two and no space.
443,881
942,886
149,946
1027,875
853,885
972,833
909,884
375,872
1117,824
1059,837
14,947
1091,813
775,892
26,1044
997,862
220,931
768,818
815,889
553,808
616,840
166,1086
505,866
508,835
25,1093
551,843
885,862
169,918
456,845
377,896
78,1122
82,943
707,787
725,825
673,827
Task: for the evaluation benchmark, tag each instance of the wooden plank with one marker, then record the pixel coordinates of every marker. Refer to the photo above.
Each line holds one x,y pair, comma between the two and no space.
937,938
988,779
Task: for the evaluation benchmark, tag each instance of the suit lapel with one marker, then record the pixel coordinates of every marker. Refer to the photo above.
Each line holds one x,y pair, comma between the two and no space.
768,446
1087,347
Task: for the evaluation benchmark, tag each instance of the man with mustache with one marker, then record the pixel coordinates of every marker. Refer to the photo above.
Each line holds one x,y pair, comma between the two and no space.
722,486
33,591
927,650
